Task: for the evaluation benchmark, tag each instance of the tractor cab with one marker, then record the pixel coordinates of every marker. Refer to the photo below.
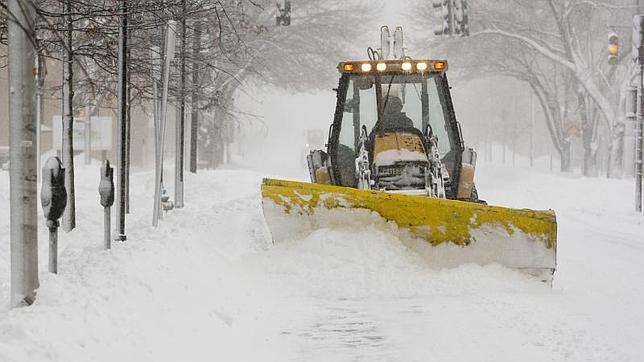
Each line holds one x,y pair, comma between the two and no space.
394,129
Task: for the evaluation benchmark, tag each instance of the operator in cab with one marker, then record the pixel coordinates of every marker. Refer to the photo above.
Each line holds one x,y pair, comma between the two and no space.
395,118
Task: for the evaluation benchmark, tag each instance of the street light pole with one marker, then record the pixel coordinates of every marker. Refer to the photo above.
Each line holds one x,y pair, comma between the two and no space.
194,109
122,112
40,103
638,56
169,56
180,125
23,174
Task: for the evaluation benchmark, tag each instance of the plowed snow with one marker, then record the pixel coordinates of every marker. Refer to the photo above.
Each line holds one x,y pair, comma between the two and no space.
208,284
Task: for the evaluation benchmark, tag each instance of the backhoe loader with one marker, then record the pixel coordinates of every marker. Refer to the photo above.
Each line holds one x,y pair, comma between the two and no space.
395,148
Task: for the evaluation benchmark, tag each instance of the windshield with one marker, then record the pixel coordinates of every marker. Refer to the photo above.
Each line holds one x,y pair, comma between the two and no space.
404,96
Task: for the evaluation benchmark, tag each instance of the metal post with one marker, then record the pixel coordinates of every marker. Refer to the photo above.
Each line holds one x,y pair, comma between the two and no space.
638,54
69,218
178,162
169,55
106,192
40,105
180,126
22,154
638,139
194,109
54,200
107,222
53,248
88,135
122,111
128,126
155,54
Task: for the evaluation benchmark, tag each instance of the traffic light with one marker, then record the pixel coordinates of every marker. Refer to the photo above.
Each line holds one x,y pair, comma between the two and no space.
443,11
453,16
464,22
283,16
457,11
613,48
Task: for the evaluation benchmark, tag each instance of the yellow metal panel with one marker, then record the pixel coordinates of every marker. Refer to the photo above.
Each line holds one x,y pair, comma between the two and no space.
466,182
397,141
435,220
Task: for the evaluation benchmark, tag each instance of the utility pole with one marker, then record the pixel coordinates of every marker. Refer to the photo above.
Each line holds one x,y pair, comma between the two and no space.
194,108
22,175
180,125
128,124
155,54
638,55
122,112
170,40
88,134
69,217
40,103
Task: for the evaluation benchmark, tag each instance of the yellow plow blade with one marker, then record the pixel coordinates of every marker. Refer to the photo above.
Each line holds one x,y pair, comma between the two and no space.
458,232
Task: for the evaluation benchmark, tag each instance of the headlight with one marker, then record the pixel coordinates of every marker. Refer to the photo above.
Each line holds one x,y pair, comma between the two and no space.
406,66
366,67
381,67
421,66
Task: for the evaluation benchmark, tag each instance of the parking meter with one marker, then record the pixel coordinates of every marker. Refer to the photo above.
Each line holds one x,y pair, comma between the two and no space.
106,192
106,186
53,198
53,195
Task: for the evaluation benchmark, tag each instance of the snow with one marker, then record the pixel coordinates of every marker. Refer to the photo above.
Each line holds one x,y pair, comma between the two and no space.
491,243
209,284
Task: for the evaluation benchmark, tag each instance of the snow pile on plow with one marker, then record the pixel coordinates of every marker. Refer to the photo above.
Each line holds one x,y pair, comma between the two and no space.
455,232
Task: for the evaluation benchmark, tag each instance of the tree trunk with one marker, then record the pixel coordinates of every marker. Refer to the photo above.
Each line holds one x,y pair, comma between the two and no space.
588,130
566,157
616,150
69,217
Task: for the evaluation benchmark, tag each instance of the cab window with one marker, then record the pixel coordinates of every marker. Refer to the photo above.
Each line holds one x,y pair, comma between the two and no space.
410,101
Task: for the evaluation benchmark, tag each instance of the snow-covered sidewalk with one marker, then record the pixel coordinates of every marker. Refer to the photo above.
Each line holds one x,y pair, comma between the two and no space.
208,284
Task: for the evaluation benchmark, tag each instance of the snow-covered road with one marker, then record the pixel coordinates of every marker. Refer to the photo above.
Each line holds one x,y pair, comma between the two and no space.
208,284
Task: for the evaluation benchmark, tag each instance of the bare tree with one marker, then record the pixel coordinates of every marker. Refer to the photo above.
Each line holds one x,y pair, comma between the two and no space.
571,37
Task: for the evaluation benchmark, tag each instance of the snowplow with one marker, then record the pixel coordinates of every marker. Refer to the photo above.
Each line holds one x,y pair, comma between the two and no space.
396,149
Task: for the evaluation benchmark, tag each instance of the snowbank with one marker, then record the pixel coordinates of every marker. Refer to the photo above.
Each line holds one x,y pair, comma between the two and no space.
209,284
